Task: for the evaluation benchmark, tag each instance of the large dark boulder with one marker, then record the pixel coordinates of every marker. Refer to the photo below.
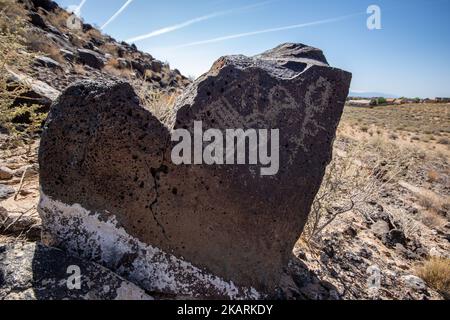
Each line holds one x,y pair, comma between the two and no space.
111,192
91,58
37,20
47,5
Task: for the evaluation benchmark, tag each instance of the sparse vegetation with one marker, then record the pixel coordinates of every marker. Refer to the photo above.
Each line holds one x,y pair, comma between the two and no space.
159,103
436,273
34,43
348,184
13,55
433,176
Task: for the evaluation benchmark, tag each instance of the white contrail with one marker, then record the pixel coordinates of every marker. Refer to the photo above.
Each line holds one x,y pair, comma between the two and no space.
248,34
192,21
76,9
126,4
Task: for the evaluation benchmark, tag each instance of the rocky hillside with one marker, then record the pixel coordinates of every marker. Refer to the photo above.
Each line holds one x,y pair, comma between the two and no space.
66,50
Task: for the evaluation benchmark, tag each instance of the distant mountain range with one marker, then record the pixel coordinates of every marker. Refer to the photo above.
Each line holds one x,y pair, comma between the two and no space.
371,94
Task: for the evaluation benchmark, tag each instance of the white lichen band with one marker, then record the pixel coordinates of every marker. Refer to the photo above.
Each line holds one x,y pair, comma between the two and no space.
86,235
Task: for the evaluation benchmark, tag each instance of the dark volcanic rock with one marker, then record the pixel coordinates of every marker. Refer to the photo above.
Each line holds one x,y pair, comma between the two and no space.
67,54
47,5
37,20
47,62
91,58
141,66
111,193
295,52
37,272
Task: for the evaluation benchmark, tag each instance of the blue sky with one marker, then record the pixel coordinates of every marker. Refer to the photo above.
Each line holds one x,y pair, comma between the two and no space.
409,56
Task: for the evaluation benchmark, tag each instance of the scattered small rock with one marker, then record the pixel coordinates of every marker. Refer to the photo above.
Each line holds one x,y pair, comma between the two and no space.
67,54
414,282
48,62
6,173
123,63
380,228
6,192
395,236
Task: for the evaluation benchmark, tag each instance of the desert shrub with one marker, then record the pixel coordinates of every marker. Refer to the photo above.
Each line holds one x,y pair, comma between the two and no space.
347,184
353,179
436,273
444,141
13,56
378,102
381,101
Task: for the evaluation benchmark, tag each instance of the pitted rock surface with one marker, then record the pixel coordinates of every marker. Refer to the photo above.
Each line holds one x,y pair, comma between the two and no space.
108,154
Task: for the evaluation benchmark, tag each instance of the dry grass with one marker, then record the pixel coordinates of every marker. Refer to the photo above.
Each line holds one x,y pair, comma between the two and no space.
436,273
35,43
160,104
433,176
432,201
432,219
11,9
110,48
79,69
112,67
77,40
427,121
58,20
94,34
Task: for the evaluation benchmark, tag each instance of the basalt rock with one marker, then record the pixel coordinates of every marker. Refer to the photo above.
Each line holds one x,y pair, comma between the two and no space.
36,272
91,58
111,192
